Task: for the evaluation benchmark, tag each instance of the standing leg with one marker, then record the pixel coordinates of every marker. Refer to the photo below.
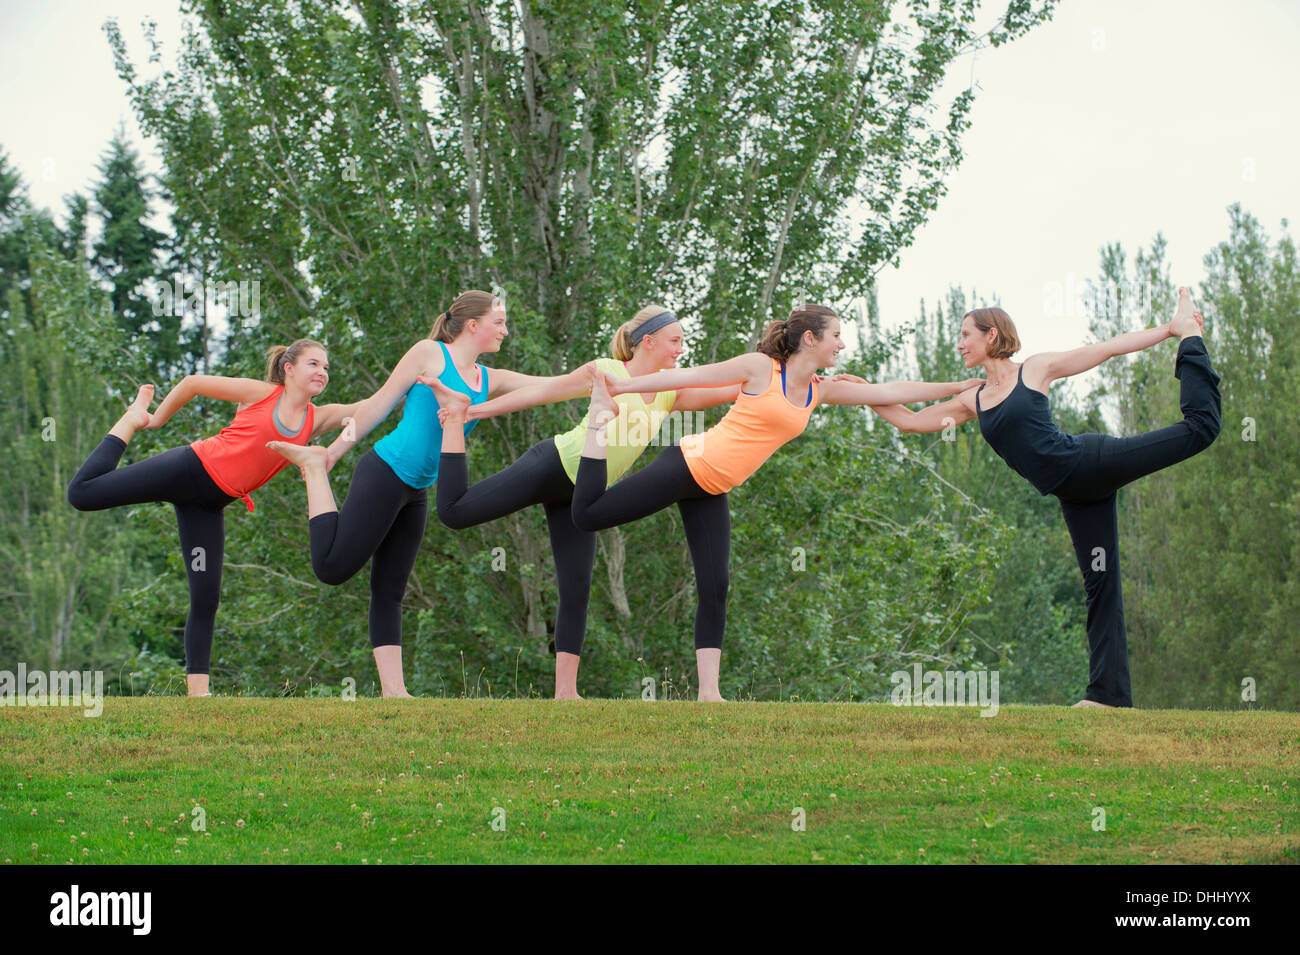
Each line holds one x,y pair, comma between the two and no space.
389,571
203,547
575,556
1094,530
707,521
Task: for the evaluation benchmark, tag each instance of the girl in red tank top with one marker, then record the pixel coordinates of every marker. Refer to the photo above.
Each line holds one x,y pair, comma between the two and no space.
200,479
778,393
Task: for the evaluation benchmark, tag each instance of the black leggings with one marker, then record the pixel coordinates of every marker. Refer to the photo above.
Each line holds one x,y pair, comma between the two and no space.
706,518
381,521
178,478
538,477
1087,499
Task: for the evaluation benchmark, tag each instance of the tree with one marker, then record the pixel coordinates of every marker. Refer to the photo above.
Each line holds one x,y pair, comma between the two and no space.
366,165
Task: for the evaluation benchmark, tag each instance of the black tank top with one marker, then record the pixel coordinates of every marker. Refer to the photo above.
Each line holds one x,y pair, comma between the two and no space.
1020,429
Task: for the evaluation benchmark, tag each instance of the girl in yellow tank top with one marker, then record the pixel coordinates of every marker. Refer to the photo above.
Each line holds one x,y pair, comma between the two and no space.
777,396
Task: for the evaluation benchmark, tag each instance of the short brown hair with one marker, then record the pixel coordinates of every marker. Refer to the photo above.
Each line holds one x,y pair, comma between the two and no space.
1007,342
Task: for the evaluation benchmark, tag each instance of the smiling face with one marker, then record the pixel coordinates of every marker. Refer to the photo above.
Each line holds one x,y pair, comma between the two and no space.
825,349
489,330
311,372
665,346
973,344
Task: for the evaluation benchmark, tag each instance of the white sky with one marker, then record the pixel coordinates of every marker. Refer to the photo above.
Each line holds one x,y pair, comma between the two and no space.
1115,120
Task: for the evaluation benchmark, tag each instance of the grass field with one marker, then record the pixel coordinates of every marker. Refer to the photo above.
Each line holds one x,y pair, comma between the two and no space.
390,781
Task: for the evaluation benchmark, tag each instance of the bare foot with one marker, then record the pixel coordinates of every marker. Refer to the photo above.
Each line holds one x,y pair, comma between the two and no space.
567,696
711,698
455,403
136,417
398,696
1091,704
1184,323
305,456
603,409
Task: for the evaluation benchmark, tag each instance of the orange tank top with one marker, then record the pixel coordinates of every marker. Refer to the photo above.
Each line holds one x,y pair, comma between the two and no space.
752,429
238,460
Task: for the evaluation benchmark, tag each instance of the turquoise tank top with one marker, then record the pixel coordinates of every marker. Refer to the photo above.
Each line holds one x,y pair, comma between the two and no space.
413,448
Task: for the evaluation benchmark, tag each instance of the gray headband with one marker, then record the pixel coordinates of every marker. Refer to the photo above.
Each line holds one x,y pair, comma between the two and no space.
652,325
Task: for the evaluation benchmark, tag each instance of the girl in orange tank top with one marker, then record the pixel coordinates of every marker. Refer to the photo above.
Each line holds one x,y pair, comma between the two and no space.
777,397
200,479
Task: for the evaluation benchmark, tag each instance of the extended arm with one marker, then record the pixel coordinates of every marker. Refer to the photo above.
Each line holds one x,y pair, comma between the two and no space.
696,399
575,384
331,417
892,393
1063,364
422,357
945,414
240,390
733,371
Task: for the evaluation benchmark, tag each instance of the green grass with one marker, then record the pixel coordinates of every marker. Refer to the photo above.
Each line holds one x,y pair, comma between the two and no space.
386,781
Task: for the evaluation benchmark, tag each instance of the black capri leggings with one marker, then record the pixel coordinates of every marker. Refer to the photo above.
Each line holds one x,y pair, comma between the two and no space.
706,518
538,477
176,477
381,521
1088,501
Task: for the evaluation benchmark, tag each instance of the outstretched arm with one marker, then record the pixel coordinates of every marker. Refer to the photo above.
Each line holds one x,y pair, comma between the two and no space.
946,414
575,384
241,390
894,392
422,357
733,371
1051,366
331,417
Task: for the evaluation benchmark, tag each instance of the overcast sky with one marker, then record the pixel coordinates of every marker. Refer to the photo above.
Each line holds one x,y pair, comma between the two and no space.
1117,119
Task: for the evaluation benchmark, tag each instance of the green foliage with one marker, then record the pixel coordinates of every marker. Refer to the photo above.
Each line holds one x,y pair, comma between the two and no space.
581,160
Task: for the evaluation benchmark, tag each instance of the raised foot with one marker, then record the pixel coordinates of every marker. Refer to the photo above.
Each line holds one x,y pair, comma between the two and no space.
1184,322
137,413
305,456
1091,704
603,408
454,403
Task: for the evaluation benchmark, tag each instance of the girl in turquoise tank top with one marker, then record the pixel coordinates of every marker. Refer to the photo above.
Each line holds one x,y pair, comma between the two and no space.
382,520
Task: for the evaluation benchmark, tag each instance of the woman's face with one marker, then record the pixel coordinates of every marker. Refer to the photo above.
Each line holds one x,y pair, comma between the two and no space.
489,330
311,371
973,345
827,348
664,346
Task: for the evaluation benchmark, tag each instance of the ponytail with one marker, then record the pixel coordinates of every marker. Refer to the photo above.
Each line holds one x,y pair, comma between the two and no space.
468,305
782,339
621,346
278,355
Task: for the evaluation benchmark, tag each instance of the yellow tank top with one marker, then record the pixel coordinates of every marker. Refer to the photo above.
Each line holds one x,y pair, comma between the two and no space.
626,436
753,428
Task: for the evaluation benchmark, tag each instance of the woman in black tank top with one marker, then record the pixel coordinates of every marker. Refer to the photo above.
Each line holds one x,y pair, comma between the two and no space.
1083,471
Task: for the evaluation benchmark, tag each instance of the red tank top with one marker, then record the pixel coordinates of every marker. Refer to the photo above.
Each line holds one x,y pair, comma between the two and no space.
238,460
